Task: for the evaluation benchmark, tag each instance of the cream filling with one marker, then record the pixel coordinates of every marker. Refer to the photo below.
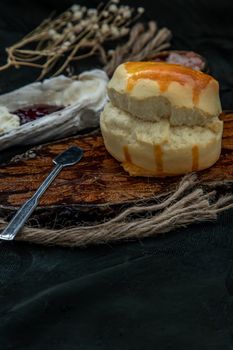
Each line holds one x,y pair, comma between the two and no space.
8,121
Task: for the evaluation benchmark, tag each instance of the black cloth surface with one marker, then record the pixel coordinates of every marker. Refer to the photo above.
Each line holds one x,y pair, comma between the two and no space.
171,292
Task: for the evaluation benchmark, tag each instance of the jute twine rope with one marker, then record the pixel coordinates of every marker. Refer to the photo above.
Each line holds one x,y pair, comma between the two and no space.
187,204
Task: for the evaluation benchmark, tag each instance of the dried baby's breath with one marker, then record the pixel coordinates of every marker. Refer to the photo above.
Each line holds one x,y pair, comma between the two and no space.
81,32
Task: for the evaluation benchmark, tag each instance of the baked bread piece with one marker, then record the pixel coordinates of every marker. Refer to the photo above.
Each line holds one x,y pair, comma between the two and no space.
162,119
155,90
148,148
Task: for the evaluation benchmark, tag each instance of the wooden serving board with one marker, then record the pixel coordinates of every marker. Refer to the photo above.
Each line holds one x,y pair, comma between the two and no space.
98,181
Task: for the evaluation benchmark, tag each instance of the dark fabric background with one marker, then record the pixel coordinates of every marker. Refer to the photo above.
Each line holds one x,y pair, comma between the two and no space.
172,292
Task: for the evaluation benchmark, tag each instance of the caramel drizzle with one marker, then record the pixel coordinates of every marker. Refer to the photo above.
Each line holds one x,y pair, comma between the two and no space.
127,155
164,74
158,158
195,158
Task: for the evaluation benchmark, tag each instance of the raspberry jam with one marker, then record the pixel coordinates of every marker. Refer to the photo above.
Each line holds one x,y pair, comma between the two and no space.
29,114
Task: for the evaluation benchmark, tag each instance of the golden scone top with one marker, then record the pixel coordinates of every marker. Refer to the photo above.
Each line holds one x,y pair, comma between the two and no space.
165,73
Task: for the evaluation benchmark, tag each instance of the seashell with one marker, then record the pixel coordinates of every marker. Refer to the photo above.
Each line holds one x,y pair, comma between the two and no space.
82,99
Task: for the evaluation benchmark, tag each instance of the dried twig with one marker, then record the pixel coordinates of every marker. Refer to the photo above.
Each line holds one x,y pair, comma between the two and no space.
79,33
142,44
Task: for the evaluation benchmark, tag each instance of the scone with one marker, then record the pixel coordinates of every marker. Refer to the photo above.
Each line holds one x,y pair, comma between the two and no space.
162,119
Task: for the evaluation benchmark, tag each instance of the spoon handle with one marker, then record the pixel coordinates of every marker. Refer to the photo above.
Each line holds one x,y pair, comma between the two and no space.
22,215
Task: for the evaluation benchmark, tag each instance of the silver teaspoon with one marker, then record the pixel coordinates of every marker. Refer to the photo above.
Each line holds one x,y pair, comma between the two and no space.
70,157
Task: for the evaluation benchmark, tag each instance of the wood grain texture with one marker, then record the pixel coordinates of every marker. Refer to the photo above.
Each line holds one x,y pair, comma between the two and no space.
98,180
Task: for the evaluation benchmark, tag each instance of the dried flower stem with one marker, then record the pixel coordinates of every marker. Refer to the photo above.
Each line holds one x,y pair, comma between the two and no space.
79,33
142,44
